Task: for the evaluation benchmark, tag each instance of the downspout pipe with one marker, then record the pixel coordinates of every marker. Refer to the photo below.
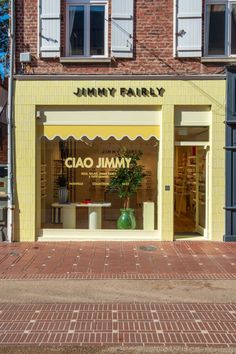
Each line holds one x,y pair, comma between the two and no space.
10,129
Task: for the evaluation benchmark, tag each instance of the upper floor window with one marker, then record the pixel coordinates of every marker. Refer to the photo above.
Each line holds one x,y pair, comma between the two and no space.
86,37
220,28
87,34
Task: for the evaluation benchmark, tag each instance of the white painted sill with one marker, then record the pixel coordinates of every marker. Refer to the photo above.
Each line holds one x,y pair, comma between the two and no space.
218,60
84,60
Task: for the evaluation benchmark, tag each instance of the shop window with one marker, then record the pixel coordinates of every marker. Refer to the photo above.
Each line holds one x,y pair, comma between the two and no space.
3,137
3,179
220,28
76,177
87,28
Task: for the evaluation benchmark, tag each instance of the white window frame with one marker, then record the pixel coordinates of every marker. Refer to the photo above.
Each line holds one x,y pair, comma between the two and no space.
87,4
228,5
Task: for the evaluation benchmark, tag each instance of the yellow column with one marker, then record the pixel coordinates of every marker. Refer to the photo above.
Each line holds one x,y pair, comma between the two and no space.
217,175
166,175
25,145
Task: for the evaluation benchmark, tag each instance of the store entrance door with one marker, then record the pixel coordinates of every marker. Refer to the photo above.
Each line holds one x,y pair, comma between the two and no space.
191,191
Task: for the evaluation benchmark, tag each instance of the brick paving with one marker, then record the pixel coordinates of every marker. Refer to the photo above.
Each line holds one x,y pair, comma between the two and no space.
118,324
200,325
118,260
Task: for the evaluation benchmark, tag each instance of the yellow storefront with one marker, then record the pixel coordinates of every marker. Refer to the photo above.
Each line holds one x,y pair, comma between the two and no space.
77,129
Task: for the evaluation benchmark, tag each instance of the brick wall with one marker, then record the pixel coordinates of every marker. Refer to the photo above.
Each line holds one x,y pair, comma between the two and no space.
153,44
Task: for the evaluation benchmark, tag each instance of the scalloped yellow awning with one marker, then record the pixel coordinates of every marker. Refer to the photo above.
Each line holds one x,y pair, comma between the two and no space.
102,131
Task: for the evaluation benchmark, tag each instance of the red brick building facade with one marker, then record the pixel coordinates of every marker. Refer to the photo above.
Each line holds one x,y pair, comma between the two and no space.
153,44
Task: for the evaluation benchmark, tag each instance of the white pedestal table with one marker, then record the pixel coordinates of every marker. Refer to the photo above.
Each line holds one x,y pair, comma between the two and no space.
94,213
69,214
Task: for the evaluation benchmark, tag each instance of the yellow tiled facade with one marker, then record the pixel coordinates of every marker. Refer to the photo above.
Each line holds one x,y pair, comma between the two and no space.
30,94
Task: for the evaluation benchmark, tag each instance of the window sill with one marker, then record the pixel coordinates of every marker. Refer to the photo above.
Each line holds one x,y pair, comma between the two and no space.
218,60
84,60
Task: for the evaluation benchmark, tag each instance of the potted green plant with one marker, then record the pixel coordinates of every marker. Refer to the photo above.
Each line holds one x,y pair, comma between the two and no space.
126,181
63,192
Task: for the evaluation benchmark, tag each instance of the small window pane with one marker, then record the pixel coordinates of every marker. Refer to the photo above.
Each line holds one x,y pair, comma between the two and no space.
97,30
186,133
216,39
76,28
233,29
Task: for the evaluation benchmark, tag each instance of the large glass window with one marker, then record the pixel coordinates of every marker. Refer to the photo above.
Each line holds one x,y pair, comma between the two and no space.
220,28
76,175
87,29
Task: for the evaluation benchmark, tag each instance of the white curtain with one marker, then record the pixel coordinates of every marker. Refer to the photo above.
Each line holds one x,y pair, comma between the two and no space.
72,13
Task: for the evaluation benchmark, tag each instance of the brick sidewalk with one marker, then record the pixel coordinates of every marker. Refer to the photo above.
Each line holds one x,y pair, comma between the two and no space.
199,325
118,324
118,260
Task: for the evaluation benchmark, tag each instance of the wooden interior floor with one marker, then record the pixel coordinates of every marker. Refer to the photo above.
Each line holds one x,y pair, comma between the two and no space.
184,224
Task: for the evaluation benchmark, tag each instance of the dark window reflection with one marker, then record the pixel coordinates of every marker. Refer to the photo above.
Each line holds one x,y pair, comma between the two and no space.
234,97
97,17
216,42
233,29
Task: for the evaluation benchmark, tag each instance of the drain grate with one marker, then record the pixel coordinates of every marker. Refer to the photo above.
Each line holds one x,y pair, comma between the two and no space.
15,254
148,248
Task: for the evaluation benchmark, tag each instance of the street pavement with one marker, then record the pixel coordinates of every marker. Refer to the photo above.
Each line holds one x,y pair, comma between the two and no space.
100,297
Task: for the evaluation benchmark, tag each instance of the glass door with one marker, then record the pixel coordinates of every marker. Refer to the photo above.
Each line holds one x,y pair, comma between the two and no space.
202,189
191,181
191,191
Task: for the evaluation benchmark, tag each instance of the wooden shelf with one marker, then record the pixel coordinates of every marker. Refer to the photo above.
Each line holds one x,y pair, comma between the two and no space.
43,181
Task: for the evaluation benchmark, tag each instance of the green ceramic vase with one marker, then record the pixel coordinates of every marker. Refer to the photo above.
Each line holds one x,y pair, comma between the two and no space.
126,220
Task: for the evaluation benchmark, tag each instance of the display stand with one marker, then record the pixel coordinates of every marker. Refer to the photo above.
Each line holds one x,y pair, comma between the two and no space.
185,187
67,214
43,181
148,216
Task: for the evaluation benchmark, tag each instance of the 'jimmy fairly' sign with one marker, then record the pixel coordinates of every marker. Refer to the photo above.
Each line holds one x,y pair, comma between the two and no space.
125,92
